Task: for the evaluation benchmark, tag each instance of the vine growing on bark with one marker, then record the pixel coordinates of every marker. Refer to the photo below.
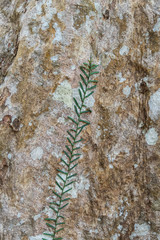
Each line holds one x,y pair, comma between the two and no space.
71,153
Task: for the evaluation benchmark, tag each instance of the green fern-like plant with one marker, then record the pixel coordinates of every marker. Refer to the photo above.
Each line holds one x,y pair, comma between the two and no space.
70,161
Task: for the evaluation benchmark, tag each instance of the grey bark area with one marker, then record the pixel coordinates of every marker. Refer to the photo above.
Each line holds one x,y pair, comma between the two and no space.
42,44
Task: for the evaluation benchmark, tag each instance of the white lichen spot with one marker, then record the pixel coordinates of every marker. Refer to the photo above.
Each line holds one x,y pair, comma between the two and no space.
93,231
30,124
140,230
82,184
36,217
58,34
56,153
106,58
135,165
120,227
61,120
98,132
110,166
39,237
50,131
154,105
50,11
126,91
120,78
55,73
63,93
89,23
151,136
124,50
37,153
19,215
49,146
73,67
157,26
9,156
115,237
54,58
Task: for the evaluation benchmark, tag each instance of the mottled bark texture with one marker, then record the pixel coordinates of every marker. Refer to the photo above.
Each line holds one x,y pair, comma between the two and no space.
42,43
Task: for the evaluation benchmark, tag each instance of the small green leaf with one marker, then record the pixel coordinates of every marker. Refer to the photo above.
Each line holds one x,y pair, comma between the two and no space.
59,185
64,162
84,81
66,191
66,199
87,111
88,89
94,66
73,175
62,171
73,167
82,120
50,219
74,149
76,103
63,206
70,134
60,223
55,203
72,120
56,194
89,94
86,64
70,141
59,231
61,177
74,161
49,234
69,183
76,154
69,150
81,86
59,238
67,155
82,69
83,126
80,131
79,140
53,209
72,130
93,81
80,94
49,225
76,110
93,73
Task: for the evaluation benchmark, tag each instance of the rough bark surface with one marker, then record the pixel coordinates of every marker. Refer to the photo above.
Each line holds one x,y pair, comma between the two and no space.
42,43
